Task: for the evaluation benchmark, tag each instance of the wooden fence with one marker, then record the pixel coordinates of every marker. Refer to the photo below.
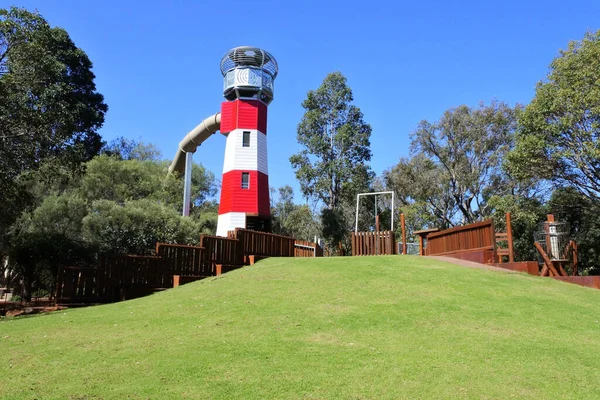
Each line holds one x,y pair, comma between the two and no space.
115,278
373,243
265,244
303,248
83,285
220,250
128,276
473,238
184,260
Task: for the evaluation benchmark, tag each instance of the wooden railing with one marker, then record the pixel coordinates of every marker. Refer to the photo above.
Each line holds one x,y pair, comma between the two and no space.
127,276
84,285
479,236
303,248
373,243
127,270
184,260
220,250
265,244
505,238
114,275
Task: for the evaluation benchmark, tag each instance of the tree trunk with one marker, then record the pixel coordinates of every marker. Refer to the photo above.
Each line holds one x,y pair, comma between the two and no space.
26,289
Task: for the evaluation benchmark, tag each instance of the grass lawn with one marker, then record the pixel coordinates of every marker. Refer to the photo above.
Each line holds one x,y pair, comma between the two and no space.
387,327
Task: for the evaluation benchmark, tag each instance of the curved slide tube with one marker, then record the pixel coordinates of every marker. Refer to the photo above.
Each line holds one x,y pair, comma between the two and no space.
193,139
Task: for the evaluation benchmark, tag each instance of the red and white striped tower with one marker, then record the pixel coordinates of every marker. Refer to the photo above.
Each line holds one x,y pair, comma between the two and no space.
248,74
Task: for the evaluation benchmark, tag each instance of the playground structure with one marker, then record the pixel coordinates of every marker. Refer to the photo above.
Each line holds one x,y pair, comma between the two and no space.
481,243
377,242
556,252
248,77
478,242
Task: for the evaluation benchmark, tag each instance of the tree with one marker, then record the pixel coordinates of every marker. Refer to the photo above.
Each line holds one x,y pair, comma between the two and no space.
127,149
113,178
526,213
302,224
46,238
457,164
336,142
558,135
423,192
135,226
333,165
569,205
50,111
281,209
291,219
116,206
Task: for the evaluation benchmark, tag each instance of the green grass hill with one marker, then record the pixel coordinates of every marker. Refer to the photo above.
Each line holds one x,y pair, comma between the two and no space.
392,327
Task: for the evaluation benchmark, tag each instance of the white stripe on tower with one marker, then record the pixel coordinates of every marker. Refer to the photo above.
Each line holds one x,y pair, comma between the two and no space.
251,158
230,221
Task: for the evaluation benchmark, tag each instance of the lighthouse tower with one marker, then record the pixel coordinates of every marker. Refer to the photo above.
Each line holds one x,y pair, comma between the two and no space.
248,75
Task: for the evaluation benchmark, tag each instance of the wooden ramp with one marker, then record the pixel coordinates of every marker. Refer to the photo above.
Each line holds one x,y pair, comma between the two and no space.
470,264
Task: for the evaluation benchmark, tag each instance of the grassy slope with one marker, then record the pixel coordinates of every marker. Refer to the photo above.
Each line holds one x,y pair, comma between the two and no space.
377,327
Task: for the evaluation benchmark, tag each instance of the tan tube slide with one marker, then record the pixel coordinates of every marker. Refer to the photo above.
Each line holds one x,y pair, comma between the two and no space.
194,139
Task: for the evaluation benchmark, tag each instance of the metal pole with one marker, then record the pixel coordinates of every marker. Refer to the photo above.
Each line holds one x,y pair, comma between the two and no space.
376,219
392,217
403,226
187,184
371,194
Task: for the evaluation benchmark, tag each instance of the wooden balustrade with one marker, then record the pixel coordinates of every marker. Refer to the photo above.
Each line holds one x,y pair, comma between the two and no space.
373,243
478,236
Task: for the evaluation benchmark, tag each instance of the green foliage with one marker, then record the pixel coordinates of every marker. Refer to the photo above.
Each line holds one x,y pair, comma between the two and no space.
290,219
583,215
135,226
116,206
46,238
456,165
559,130
50,110
423,191
206,214
204,186
332,167
127,149
526,213
336,143
134,203
118,180
302,224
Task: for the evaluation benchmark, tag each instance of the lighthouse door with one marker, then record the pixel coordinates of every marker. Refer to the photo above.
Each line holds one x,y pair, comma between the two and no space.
260,224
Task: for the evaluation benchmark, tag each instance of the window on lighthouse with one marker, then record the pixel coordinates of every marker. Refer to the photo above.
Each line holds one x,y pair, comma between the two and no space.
246,139
245,180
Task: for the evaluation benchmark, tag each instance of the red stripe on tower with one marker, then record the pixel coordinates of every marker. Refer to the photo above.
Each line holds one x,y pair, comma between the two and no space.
250,196
243,114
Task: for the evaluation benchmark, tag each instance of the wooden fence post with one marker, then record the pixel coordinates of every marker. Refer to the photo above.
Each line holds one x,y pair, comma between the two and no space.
403,226
509,238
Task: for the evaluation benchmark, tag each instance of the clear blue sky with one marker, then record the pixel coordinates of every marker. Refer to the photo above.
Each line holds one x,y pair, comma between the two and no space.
157,62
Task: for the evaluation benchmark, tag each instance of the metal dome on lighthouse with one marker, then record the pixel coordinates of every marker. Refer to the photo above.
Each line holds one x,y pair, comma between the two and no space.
248,86
248,72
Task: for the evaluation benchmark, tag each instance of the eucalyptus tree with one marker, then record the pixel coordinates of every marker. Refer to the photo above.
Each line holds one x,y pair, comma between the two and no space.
559,131
333,165
50,110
